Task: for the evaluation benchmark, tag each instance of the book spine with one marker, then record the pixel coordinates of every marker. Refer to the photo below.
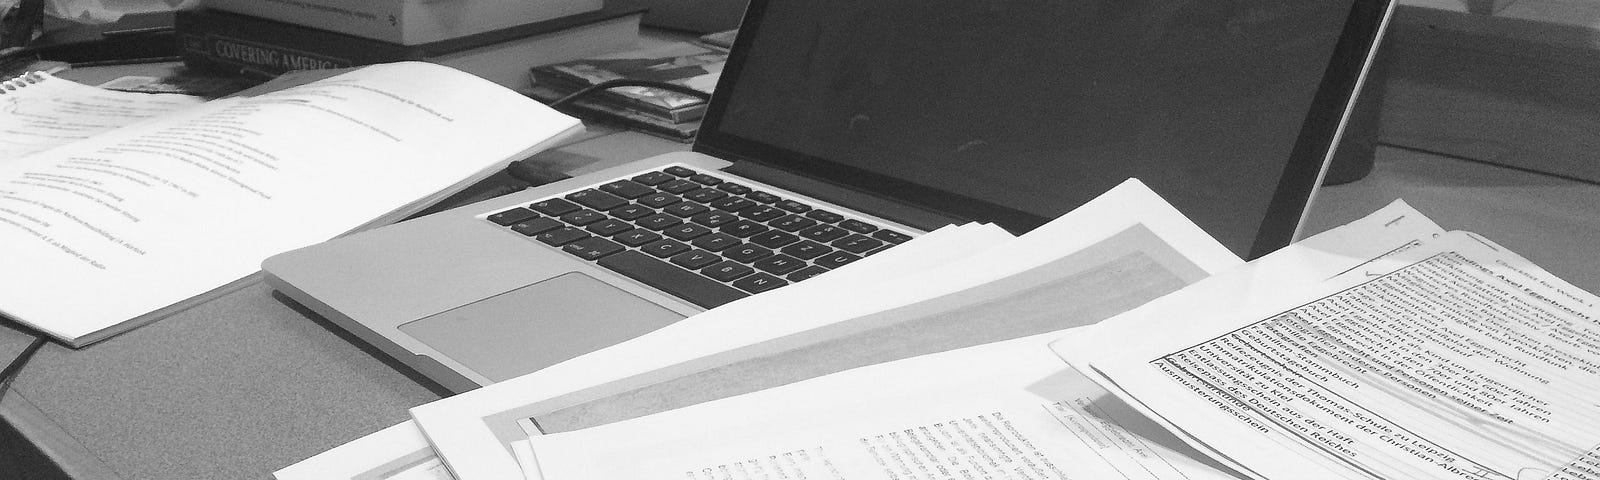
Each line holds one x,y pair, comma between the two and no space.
237,43
408,22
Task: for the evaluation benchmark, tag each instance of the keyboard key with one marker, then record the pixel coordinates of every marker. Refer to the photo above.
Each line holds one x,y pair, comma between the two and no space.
763,213
609,227
792,223
631,211
824,233
779,264
554,207
890,236
857,244
695,259
653,178
583,217
596,199
627,189
592,248
658,200
681,171
743,228
836,259
759,282
637,237
714,218
659,221
733,204
511,216
807,249
733,188
686,232
793,206
774,239
824,216
665,248
762,197
704,179
686,209
805,273
562,236
690,286
715,242
746,253
858,226
726,271
705,195
537,226
678,186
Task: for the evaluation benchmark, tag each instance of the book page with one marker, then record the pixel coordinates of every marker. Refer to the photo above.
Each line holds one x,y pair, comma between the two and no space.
1455,360
45,112
162,211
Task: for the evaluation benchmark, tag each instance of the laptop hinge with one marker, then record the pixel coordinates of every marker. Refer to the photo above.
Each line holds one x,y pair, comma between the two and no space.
904,213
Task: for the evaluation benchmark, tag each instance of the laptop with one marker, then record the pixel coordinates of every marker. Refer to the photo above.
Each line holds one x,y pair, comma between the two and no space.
841,128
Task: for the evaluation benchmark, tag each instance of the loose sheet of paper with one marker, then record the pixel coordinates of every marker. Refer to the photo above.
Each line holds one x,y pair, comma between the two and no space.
1454,360
465,429
1004,410
51,112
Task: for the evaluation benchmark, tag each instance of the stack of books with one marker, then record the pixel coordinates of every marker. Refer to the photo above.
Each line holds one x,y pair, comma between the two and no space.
496,40
665,113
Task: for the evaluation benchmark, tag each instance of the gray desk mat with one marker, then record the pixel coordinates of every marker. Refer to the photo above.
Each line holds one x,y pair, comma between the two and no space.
236,387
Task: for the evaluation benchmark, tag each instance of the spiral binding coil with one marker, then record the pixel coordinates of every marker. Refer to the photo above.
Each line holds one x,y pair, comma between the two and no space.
20,81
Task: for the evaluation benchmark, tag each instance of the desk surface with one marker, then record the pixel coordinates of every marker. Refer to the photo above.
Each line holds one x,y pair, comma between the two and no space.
248,383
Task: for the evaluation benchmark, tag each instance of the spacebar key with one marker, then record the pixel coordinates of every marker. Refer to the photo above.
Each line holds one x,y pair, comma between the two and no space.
690,286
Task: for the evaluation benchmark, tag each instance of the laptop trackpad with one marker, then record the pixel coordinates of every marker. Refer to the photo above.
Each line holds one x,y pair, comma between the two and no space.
539,325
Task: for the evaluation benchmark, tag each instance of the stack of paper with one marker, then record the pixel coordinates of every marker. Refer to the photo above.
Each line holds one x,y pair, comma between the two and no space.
903,368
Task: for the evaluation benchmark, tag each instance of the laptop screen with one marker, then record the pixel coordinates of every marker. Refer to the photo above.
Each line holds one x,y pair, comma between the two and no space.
1016,111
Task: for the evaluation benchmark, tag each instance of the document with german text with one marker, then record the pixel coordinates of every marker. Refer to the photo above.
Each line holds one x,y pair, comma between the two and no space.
104,232
1457,359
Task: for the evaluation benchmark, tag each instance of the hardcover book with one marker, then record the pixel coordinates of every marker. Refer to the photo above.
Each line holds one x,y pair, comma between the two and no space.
222,41
408,22
682,63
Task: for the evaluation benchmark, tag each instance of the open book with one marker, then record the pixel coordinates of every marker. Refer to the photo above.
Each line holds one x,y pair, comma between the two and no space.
104,228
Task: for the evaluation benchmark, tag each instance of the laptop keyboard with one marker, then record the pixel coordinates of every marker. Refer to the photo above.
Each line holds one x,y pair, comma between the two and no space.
696,235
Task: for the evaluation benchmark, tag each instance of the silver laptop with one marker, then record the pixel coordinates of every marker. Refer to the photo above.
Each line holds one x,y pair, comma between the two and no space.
840,129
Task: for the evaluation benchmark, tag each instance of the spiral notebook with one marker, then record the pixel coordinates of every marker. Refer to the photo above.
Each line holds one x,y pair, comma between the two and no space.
39,111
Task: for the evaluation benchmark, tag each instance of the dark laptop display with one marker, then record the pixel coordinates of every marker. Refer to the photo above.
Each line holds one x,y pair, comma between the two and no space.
842,128
1019,111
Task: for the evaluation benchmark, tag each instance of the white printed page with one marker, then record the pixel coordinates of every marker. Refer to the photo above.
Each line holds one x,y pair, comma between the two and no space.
1456,360
469,429
1008,410
149,215
43,112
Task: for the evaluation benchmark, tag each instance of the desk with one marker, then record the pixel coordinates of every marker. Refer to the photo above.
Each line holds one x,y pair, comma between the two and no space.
247,383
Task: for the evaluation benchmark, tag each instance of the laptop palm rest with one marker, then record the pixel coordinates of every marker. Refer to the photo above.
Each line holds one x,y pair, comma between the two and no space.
551,321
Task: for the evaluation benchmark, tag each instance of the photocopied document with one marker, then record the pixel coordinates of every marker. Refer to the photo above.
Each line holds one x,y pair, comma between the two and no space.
1457,359
157,212
1086,254
1008,409
40,111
